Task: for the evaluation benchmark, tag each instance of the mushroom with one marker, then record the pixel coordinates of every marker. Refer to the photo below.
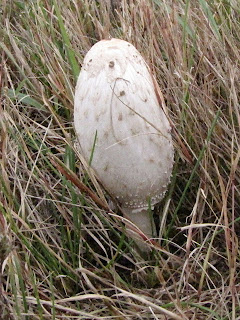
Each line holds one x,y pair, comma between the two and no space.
123,129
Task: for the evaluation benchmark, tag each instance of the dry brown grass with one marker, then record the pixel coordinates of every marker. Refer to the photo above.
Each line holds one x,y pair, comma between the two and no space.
62,256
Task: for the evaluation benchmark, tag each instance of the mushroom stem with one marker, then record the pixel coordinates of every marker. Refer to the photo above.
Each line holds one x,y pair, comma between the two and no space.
143,219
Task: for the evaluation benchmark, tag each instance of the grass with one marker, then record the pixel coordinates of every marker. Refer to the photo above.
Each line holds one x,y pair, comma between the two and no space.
62,256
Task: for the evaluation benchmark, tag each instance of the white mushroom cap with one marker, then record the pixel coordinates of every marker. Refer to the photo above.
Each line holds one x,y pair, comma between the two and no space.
115,98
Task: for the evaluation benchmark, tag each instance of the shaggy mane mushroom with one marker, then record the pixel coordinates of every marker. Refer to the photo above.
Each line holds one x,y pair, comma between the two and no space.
116,101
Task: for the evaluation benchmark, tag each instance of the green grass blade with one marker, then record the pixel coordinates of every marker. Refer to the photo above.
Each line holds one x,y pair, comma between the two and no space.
67,44
24,99
207,10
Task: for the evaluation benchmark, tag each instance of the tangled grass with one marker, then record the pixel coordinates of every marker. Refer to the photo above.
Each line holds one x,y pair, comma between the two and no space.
62,255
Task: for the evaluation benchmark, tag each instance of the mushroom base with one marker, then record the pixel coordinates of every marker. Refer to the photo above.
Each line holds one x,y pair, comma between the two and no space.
143,220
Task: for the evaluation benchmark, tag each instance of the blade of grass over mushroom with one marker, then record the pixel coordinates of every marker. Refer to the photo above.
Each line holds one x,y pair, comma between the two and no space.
67,43
150,213
93,148
86,177
198,162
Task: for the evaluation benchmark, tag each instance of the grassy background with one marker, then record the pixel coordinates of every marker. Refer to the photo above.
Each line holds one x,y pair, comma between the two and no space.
62,256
